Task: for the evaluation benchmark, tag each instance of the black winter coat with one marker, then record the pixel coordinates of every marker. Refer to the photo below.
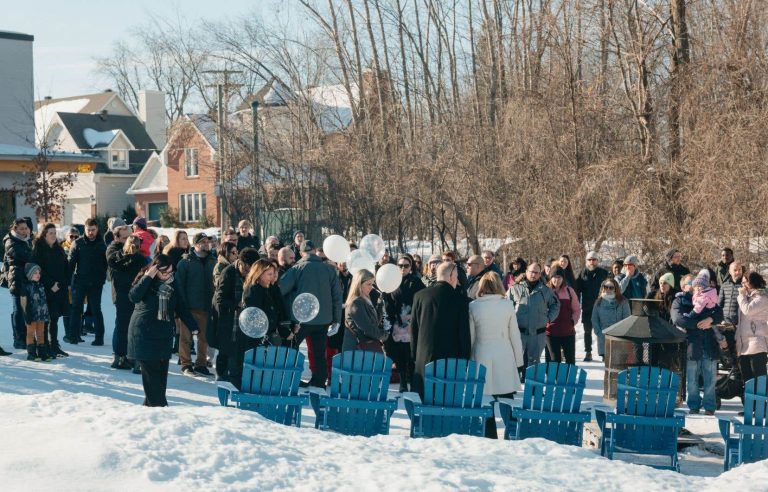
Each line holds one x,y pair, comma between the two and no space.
150,338
249,241
587,288
54,268
440,326
88,262
18,252
124,269
271,302
403,296
729,292
227,302
175,254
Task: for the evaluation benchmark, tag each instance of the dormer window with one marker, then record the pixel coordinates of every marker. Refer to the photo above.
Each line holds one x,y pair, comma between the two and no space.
190,163
118,159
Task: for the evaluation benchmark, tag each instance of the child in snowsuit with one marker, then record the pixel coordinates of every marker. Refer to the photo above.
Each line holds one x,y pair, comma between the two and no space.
35,313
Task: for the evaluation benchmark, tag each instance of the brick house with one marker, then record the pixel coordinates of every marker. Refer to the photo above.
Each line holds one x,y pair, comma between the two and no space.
190,158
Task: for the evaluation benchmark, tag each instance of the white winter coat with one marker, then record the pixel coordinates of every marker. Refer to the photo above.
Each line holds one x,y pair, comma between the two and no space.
496,343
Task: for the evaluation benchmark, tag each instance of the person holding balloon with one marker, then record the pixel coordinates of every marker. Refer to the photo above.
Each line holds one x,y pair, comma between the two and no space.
227,301
398,305
155,293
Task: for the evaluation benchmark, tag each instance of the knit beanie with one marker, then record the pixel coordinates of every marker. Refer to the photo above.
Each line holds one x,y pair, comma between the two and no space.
668,279
30,269
701,281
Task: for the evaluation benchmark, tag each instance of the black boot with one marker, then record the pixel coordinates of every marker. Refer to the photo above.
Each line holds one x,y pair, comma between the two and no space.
403,382
125,363
31,352
98,342
42,353
4,353
56,350
115,362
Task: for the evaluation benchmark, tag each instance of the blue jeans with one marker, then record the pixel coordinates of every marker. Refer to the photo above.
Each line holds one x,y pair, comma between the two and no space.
708,369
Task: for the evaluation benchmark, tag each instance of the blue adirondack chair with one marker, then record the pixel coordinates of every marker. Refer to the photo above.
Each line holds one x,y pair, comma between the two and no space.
751,442
645,420
270,385
551,405
356,403
453,400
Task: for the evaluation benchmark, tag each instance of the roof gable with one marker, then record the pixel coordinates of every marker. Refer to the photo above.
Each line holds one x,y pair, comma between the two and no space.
153,177
99,126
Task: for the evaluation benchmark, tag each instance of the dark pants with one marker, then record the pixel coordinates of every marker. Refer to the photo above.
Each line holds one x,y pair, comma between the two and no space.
317,334
52,331
154,377
222,365
79,293
123,311
17,323
586,320
556,346
400,353
753,365
490,423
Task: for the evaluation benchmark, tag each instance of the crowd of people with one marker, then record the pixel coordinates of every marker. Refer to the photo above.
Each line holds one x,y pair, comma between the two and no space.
183,296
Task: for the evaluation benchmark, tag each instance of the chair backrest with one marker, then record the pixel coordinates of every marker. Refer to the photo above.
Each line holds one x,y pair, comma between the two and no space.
272,371
554,387
456,383
754,447
360,375
646,391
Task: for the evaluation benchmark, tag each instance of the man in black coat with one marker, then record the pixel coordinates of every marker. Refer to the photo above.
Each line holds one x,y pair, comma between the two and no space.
672,265
88,264
587,290
439,323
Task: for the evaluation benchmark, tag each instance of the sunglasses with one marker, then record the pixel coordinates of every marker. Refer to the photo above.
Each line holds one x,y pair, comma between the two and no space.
73,236
403,265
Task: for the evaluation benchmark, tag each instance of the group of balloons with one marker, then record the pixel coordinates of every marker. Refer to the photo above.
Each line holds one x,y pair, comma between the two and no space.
254,322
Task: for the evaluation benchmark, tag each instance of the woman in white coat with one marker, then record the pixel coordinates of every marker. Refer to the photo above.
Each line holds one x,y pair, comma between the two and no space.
496,342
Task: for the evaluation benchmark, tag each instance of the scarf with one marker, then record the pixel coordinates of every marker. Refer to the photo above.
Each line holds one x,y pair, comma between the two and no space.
164,293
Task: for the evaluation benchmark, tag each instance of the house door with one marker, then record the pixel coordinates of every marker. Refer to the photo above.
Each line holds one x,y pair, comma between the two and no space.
7,208
155,210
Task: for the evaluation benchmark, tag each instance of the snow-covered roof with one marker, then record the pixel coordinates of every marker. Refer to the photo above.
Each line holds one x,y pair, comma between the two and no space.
8,151
332,106
45,113
153,177
97,139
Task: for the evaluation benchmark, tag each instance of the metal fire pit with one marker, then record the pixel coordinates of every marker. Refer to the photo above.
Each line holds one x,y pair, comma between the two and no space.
643,339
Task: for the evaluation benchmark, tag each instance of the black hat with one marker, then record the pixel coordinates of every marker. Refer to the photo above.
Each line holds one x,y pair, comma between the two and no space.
199,237
558,272
307,246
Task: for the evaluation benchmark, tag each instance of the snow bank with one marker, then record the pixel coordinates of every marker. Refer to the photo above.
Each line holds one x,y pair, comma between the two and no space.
89,442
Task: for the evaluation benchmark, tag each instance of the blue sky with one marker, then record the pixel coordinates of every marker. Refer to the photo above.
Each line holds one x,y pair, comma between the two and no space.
70,33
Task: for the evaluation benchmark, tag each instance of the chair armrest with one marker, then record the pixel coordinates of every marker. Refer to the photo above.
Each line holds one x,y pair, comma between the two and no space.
412,402
601,414
521,413
649,421
316,402
225,391
725,428
680,413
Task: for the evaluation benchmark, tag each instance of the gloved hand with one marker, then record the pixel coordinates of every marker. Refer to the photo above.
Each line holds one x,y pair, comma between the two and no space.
333,329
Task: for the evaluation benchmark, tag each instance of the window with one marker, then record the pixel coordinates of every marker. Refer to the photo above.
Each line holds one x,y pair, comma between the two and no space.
191,207
190,163
118,159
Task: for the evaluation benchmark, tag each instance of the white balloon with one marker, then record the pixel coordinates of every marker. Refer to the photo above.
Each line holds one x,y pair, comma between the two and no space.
253,322
374,246
305,307
388,278
360,260
336,248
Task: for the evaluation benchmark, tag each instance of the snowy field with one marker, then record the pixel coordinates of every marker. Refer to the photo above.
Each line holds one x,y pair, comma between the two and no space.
76,424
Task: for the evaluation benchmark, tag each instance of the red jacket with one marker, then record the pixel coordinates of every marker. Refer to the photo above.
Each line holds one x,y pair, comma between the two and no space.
146,241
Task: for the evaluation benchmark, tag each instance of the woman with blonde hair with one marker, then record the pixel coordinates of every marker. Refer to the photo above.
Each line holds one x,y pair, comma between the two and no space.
363,322
261,291
159,245
244,238
496,341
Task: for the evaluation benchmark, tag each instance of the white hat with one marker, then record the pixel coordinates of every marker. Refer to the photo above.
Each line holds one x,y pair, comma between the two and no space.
592,255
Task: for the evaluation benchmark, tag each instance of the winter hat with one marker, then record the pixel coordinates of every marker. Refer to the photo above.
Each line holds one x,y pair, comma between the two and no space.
297,233
558,272
704,273
631,260
141,222
116,223
701,281
670,253
199,237
668,279
30,269
592,255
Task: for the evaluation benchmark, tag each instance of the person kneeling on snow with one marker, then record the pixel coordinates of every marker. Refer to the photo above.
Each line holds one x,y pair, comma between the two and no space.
35,313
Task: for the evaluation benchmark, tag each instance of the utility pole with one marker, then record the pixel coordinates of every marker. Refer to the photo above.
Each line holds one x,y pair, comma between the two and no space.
255,170
223,185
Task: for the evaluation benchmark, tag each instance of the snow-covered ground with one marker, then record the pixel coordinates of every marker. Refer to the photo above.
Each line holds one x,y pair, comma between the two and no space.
76,424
